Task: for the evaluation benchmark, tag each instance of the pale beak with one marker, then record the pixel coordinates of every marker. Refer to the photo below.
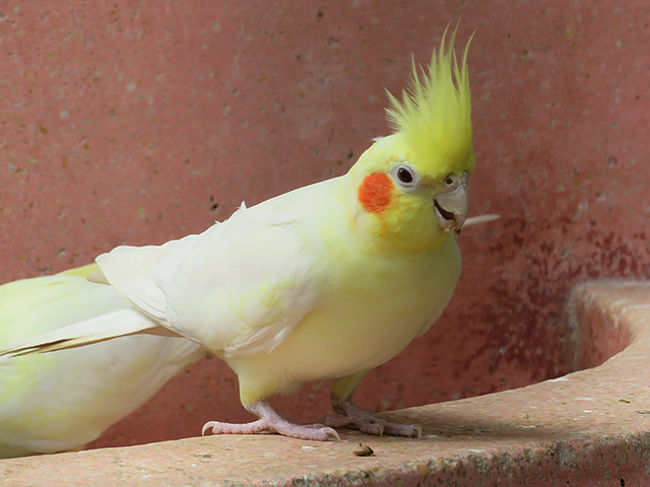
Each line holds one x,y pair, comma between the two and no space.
451,208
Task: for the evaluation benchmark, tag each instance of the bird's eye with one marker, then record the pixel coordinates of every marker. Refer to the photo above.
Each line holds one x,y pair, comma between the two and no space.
405,176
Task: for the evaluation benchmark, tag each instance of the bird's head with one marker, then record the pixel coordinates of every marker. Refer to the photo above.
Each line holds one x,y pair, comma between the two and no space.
411,186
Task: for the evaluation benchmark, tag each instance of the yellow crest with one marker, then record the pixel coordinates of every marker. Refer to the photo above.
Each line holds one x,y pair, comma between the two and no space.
434,115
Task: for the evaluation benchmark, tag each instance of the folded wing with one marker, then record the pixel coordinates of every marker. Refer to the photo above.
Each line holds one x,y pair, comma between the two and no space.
238,288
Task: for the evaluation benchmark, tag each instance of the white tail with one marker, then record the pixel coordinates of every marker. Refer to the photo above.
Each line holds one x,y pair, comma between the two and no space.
98,329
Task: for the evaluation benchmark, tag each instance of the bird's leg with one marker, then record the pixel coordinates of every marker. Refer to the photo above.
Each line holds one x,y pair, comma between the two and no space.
271,421
356,417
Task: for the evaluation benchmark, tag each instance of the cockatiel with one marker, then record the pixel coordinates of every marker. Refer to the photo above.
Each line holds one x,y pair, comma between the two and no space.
324,282
61,401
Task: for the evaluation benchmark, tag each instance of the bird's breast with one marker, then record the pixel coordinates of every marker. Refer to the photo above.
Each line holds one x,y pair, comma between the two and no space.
367,312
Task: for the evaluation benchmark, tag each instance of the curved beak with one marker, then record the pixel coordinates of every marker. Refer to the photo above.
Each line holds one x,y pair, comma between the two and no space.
451,208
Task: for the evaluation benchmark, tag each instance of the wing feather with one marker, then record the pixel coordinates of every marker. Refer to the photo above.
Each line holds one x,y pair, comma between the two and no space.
240,287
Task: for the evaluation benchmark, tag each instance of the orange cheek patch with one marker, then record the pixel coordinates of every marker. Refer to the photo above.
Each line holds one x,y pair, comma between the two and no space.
375,192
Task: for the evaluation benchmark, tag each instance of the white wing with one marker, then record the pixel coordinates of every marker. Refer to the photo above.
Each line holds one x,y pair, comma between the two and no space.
238,288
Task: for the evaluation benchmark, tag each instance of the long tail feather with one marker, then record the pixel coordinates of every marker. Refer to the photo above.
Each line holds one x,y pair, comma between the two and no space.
100,328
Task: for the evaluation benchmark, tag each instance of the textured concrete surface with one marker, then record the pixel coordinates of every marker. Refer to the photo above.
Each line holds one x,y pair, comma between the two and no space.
139,121
588,428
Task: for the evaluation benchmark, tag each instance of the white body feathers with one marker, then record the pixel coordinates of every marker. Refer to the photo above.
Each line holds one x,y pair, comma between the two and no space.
286,291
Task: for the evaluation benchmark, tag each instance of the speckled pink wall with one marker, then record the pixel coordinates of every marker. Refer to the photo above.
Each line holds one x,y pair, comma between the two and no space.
140,121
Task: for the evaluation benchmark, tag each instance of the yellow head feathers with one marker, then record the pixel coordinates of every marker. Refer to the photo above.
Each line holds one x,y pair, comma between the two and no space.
434,116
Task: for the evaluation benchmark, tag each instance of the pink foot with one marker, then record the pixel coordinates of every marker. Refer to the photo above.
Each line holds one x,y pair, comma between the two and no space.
356,417
271,421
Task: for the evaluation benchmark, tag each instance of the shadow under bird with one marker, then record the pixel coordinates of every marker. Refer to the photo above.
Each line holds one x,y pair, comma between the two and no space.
325,282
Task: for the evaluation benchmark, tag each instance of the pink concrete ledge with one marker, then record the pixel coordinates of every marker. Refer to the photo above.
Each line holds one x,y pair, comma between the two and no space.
588,428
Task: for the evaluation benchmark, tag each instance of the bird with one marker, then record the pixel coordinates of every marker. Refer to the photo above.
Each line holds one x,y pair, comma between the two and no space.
62,401
325,282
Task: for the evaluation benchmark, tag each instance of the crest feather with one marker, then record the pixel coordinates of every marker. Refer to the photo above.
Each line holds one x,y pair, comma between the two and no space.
434,114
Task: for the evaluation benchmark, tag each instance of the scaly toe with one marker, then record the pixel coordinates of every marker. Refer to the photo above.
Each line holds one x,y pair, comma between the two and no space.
337,421
371,428
398,429
307,432
219,428
367,425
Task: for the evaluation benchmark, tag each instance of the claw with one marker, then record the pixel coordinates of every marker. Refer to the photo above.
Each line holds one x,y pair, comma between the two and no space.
271,421
356,417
